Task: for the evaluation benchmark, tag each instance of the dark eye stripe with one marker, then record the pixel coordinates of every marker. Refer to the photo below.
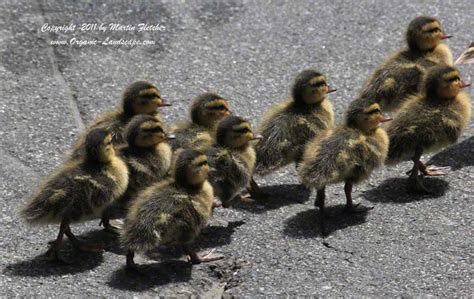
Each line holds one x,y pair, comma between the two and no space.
202,163
153,130
374,111
243,130
220,107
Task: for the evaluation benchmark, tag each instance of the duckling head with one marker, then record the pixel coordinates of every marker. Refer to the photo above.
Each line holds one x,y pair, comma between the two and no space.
443,83
142,97
145,131
424,33
310,87
365,115
99,147
191,168
208,108
234,132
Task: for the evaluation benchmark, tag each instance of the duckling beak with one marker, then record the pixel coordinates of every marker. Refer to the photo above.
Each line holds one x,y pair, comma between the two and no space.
170,136
446,36
331,89
256,137
464,85
385,118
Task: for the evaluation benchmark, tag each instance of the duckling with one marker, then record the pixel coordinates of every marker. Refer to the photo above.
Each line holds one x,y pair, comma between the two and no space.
445,114
79,191
148,158
288,126
173,211
401,74
232,157
205,112
467,56
140,97
349,153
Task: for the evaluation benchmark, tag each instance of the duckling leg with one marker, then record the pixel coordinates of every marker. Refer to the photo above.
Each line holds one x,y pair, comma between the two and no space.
80,245
350,206
196,259
415,181
255,190
53,251
320,198
130,262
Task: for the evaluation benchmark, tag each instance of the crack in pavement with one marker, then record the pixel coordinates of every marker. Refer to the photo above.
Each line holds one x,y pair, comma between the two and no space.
72,98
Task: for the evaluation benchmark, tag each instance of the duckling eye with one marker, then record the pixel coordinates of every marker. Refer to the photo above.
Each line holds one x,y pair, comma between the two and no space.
154,130
454,79
376,111
318,84
203,163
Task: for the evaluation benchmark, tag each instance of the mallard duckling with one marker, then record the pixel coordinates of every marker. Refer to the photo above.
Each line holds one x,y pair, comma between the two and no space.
148,158
205,112
429,121
171,212
349,153
232,157
287,127
140,97
401,74
79,190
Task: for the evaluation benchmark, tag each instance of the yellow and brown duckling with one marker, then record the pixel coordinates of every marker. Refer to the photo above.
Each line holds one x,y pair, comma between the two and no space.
140,97
80,190
173,211
428,122
232,157
349,153
205,112
148,158
288,126
400,75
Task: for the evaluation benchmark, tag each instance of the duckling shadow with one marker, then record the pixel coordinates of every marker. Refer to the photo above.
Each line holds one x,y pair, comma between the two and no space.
311,223
277,196
457,156
39,266
150,275
394,191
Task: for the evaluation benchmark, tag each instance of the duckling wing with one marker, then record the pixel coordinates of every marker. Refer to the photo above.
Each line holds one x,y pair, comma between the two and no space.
231,175
284,137
392,83
341,155
191,136
424,126
70,193
167,217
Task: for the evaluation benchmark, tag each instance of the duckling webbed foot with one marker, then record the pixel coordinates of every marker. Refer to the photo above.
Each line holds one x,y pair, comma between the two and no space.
108,227
81,246
247,198
53,252
350,206
195,259
432,170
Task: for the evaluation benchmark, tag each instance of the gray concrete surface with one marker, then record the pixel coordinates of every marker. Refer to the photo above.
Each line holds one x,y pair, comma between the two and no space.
249,51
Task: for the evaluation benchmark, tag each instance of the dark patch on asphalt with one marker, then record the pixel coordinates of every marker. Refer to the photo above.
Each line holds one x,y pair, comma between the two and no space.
394,191
457,156
312,223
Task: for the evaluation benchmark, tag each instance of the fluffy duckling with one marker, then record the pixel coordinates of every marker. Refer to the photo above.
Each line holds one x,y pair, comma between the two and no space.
171,212
349,153
148,158
205,112
80,190
288,126
401,74
445,114
232,157
140,97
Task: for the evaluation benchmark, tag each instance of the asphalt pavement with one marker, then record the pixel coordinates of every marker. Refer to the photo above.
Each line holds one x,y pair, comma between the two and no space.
249,52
